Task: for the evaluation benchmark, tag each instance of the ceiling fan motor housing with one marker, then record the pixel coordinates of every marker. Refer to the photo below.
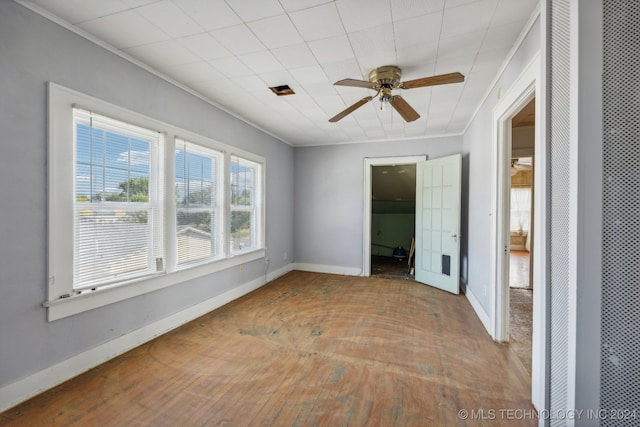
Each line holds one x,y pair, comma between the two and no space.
387,76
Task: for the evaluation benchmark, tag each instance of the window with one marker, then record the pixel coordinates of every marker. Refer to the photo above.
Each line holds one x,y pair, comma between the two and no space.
117,205
197,203
245,204
520,209
134,208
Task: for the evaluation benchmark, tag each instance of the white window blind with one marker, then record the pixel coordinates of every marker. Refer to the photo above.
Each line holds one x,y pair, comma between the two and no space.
117,206
197,192
246,181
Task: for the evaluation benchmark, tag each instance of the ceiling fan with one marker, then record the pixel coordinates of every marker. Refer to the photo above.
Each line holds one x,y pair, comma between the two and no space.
386,78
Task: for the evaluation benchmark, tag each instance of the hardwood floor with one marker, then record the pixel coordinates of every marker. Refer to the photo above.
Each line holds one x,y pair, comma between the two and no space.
305,350
520,307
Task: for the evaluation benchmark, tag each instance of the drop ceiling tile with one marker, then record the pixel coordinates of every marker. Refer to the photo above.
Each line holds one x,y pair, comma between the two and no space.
320,89
503,36
215,89
332,49
342,70
458,46
231,67
358,15
305,75
295,56
261,62
490,60
194,72
461,64
450,4
279,78
469,18
133,29
331,104
252,10
137,3
420,30
210,14
205,46
446,94
293,5
405,9
275,32
238,39
250,83
171,19
318,22
377,40
417,61
76,11
509,11
163,54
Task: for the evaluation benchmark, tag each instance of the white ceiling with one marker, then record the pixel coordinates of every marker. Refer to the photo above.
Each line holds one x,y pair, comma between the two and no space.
231,51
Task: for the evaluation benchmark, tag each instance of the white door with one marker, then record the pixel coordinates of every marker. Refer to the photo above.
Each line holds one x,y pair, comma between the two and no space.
438,223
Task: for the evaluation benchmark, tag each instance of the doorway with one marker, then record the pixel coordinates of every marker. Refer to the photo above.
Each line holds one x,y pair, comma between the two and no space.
521,233
528,85
398,170
393,214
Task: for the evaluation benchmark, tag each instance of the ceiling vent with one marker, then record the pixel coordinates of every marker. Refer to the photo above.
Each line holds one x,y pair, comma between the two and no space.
282,90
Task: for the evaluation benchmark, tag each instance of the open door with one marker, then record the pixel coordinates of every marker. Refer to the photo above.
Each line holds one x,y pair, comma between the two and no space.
438,223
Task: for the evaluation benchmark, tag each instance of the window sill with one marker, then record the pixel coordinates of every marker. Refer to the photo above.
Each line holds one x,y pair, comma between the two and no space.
88,300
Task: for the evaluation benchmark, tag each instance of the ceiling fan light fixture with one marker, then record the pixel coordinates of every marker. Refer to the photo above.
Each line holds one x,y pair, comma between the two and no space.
387,78
384,103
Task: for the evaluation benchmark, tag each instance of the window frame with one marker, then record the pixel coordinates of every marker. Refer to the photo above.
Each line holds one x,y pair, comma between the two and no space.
258,235
219,203
62,299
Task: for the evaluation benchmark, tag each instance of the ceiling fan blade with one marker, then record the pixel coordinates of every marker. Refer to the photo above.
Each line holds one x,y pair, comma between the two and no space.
441,79
403,108
356,83
351,109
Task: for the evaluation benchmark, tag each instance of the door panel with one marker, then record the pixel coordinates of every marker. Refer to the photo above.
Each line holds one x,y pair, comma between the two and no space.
438,223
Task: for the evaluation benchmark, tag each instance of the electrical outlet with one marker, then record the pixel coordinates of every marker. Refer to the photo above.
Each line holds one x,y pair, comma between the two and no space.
284,255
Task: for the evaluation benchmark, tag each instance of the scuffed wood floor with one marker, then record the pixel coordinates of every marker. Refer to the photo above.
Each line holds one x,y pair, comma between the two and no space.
305,350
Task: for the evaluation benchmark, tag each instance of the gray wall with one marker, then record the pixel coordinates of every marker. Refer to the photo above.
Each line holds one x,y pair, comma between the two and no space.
329,196
476,165
33,51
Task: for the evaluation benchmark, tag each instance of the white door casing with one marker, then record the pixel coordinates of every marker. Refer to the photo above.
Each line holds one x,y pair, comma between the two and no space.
438,223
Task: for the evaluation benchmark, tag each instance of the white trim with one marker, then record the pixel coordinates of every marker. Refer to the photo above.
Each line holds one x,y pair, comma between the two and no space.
88,300
520,93
21,390
541,319
62,299
328,269
477,307
279,272
366,221
527,86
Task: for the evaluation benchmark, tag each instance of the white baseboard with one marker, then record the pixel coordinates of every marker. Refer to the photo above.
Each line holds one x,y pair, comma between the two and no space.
21,390
279,272
329,269
477,307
